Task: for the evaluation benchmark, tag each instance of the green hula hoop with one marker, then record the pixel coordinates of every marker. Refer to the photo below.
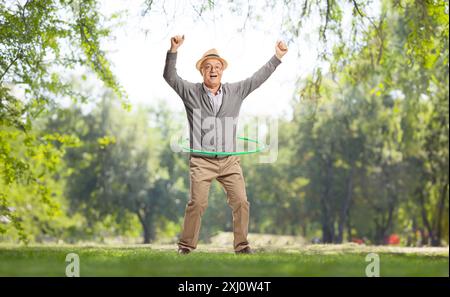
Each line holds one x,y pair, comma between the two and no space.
260,147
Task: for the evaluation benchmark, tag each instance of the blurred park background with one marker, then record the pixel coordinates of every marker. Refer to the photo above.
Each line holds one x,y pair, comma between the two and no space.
361,101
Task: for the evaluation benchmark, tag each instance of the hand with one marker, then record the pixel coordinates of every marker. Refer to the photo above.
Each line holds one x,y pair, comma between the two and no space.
280,49
176,42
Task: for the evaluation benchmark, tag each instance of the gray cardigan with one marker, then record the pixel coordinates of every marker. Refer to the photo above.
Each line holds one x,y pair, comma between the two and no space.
209,132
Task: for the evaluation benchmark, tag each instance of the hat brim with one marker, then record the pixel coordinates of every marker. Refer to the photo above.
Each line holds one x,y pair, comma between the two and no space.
199,63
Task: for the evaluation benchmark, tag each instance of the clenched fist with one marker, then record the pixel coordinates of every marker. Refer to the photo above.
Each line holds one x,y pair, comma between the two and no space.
280,49
176,42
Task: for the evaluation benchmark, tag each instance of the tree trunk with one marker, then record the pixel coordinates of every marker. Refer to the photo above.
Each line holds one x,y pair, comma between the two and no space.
149,235
327,221
349,227
436,239
424,237
304,229
345,207
425,221
384,225
148,226
379,236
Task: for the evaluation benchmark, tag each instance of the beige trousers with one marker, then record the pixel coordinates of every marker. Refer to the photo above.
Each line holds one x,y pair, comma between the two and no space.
228,172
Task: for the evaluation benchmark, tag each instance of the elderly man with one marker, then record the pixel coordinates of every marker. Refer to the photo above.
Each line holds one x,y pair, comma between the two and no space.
209,107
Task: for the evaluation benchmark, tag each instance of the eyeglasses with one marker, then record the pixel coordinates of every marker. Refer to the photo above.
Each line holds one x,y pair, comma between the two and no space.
209,68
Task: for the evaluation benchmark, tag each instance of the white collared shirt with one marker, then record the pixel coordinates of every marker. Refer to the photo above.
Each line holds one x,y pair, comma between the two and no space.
216,100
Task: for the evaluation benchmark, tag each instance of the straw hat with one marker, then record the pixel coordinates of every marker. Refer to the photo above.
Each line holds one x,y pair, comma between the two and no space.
212,53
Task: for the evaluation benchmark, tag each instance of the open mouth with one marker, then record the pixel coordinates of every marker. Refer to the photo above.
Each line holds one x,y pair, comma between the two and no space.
212,76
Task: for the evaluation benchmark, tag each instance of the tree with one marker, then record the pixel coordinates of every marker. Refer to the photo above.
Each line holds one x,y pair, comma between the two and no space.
36,47
124,166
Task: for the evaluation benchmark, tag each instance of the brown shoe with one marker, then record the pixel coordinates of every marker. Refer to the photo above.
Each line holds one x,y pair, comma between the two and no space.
183,251
246,250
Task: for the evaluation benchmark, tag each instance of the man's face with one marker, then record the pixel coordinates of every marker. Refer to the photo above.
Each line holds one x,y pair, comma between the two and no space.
212,72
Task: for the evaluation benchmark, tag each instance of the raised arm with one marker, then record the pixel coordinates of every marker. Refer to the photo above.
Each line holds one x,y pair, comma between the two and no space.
245,87
180,85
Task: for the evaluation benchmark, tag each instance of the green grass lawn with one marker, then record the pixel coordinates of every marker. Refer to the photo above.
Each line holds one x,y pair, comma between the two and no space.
147,261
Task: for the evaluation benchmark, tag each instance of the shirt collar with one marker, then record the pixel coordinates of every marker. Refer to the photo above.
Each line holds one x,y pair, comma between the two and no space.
219,91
